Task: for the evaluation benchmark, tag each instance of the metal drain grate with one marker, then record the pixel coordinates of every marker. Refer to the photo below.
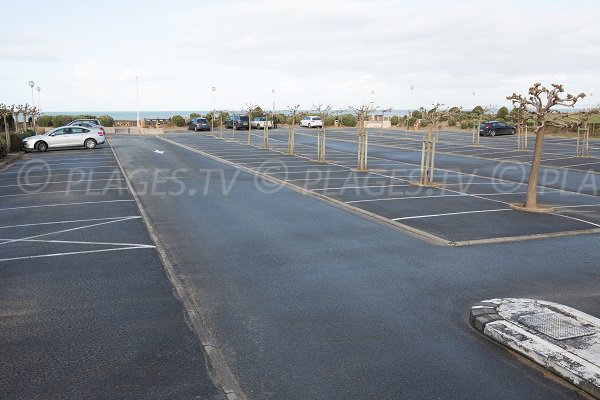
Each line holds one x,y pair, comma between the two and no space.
555,325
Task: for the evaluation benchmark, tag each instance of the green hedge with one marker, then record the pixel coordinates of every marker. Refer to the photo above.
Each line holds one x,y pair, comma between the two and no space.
61,120
348,120
451,122
178,120
394,120
106,120
44,121
411,121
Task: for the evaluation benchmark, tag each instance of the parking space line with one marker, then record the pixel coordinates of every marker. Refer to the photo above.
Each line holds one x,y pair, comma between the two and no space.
92,192
71,229
71,221
357,187
53,182
77,242
58,169
66,204
447,214
74,253
301,172
79,173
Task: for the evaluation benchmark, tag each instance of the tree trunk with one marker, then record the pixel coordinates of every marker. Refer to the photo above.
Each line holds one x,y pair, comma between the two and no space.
531,200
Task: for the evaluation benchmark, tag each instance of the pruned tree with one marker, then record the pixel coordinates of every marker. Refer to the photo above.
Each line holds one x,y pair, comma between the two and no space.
249,110
293,112
362,114
323,111
540,102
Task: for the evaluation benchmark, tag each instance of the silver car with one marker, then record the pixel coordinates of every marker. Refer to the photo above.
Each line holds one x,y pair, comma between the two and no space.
65,136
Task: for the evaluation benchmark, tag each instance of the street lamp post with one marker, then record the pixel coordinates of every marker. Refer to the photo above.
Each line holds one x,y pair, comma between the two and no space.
212,122
137,95
31,85
39,89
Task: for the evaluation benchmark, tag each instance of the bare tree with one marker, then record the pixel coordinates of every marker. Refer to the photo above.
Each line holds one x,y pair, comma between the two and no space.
540,101
293,110
362,114
249,110
323,112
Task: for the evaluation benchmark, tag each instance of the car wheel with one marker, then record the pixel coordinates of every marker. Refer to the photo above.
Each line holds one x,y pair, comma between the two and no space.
481,133
309,126
90,144
513,132
41,147
492,133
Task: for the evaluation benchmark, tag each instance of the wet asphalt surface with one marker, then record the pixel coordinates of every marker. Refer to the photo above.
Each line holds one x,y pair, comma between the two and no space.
307,300
86,310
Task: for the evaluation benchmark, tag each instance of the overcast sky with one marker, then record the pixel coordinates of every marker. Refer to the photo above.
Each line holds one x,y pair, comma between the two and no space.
85,55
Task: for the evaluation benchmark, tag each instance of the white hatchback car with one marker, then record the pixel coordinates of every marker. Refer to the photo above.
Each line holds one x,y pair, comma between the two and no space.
65,136
311,122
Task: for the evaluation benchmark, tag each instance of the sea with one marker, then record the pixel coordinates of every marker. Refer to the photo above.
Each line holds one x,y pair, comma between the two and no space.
132,115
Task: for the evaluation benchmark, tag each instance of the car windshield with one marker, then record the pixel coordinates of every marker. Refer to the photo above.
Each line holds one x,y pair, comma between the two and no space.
244,118
317,118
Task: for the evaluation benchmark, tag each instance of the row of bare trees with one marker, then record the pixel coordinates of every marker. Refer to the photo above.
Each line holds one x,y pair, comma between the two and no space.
15,111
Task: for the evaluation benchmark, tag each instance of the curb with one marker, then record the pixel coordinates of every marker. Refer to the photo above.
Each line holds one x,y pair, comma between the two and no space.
222,375
10,159
566,346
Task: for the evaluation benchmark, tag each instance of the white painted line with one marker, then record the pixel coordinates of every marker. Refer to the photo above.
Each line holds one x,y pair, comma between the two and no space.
357,187
92,192
73,253
455,213
580,164
52,182
308,173
432,196
78,173
65,204
579,219
77,242
70,229
577,206
58,169
68,221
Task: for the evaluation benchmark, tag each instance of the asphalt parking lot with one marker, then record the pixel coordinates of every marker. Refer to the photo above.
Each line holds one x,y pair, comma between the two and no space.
470,205
308,300
86,308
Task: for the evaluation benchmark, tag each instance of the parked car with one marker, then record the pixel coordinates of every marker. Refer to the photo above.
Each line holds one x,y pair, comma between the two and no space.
88,120
311,122
237,122
65,136
199,124
261,122
494,128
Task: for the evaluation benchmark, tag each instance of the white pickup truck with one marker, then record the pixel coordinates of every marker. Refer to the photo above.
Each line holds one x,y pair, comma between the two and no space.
261,122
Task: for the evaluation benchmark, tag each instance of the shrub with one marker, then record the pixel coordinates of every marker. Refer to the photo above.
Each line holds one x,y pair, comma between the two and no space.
502,113
329,120
417,114
477,110
424,123
3,147
451,122
411,121
178,120
44,121
394,120
106,120
348,120
464,125
61,120
194,115
16,138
